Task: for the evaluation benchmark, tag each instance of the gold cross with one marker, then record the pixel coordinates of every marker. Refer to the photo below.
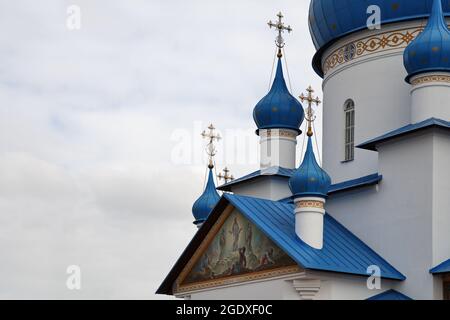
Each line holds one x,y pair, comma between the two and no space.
212,137
310,117
226,175
280,28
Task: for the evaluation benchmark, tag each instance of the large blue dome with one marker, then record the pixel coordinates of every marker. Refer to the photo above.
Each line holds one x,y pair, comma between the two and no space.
279,109
430,51
206,202
310,180
331,19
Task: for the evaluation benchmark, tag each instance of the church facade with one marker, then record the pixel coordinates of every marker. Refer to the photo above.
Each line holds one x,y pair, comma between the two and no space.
373,222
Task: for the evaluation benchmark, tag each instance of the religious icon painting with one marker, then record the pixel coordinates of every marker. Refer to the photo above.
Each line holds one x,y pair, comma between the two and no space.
238,248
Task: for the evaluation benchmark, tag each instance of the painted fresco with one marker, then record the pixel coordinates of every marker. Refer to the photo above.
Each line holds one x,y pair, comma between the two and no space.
237,249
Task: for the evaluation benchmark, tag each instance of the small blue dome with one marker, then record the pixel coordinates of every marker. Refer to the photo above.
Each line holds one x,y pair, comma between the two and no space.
310,180
207,201
430,51
279,109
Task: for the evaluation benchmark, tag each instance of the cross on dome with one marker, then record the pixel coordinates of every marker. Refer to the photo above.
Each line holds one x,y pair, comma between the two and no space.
280,28
310,116
212,137
225,176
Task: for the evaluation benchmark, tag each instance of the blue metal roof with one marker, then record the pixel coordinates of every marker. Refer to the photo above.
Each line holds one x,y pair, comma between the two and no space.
279,109
444,267
347,185
330,20
342,251
310,180
430,51
356,183
390,295
410,128
272,171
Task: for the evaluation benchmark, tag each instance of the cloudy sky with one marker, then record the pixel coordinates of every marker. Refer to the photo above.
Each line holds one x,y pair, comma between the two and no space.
100,152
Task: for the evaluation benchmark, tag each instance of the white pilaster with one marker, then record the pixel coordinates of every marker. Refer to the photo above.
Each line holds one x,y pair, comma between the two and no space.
430,97
278,148
309,213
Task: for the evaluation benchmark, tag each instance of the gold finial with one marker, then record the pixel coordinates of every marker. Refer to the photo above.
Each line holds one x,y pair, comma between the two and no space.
226,175
310,117
212,137
280,28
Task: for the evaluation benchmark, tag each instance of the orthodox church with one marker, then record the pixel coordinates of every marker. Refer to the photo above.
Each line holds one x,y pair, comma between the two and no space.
373,220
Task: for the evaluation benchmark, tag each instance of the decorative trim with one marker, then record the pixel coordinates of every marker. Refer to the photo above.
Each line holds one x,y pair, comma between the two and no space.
370,45
288,134
430,78
309,204
278,133
180,288
265,133
307,288
238,279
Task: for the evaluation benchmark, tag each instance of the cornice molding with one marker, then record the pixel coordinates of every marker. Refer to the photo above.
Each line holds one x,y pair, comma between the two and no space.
307,288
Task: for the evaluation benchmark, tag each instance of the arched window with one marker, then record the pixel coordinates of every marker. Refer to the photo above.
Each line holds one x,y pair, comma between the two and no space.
349,111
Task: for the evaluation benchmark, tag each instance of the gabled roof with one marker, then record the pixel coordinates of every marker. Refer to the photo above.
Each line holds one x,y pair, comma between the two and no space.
444,267
390,295
343,252
403,131
272,171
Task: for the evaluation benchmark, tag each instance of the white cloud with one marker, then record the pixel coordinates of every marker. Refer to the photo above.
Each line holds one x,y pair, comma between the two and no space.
86,119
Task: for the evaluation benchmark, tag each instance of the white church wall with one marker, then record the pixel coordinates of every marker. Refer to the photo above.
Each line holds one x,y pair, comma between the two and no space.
268,187
347,287
375,82
278,289
333,286
441,198
395,219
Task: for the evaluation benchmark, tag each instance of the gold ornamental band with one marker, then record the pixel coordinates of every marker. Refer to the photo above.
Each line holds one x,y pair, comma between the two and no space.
239,279
430,79
310,204
370,45
281,133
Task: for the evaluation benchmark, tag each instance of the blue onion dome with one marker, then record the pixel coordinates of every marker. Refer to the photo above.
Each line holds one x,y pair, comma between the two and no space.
207,201
430,51
279,109
310,180
330,20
